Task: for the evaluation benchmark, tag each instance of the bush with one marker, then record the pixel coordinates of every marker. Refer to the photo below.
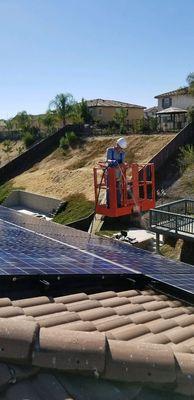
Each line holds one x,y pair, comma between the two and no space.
72,138
64,143
28,139
186,157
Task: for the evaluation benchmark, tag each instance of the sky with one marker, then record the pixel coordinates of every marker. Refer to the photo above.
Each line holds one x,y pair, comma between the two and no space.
112,49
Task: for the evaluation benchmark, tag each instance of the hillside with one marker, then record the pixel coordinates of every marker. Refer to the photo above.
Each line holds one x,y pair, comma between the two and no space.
61,175
184,186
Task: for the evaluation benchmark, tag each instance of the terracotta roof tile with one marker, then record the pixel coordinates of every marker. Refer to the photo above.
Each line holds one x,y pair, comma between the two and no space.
33,301
128,293
141,299
185,320
155,305
44,309
96,313
128,363
76,326
180,334
185,374
71,298
111,323
172,312
57,319
127,332
114,301
161,325
145,317
83,305
69,350
5,302
10,311
103,295
128,309
16,339
159,338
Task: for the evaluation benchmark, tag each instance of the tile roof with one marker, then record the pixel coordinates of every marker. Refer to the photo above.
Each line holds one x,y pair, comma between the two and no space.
133,338
180,91
111,103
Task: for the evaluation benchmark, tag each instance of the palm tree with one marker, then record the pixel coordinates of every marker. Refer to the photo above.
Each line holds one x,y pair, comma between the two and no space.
190,81
62,104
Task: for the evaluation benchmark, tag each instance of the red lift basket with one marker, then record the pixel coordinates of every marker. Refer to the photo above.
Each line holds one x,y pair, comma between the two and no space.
134,192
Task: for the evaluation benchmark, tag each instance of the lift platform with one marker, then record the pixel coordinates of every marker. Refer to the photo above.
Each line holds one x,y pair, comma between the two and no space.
133,192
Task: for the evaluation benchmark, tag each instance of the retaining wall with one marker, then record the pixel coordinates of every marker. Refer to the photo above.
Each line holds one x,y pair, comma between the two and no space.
31,201
35,154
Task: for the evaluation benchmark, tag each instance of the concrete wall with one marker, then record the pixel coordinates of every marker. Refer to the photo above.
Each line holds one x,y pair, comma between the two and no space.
106,114
31,201
35,154
181,101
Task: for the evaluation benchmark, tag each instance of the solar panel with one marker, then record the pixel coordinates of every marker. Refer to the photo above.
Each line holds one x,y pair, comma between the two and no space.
30,246
179,281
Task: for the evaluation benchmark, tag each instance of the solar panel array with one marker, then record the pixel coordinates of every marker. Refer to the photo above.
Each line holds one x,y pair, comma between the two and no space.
30,246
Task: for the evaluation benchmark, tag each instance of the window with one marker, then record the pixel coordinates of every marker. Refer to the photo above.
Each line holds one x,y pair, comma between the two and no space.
100,111
166,102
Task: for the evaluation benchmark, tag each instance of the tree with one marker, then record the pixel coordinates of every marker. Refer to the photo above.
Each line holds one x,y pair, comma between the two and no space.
9,124
7,148
23,121
190,81
85,112
63,105
49,121
120,118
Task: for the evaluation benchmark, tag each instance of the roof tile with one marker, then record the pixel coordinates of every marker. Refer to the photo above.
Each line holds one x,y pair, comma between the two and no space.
144,363
71,298
185,373
16,339
155,305
114,301
103,295
161,325
180,334
127,332
83,305
128,309
96,313
10,311
5,302
128,293
82,326
44,309
172,312
112,323
60,318
145,317
70,350
33,301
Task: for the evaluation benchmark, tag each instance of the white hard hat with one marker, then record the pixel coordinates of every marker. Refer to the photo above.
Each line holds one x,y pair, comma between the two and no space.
122,143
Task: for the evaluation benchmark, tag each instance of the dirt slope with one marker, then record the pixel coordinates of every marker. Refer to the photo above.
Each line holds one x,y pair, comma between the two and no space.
59,176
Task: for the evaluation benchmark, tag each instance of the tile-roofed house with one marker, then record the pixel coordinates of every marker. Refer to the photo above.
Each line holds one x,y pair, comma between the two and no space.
179,99
128,344
104,110
150,112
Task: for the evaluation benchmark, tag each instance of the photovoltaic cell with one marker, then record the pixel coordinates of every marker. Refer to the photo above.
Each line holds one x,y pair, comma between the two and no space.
32,246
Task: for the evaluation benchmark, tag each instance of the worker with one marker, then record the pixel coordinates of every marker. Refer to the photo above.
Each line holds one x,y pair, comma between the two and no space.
115,156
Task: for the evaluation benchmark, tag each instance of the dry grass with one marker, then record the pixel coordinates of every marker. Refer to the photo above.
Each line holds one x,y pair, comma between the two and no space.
3,156
60,176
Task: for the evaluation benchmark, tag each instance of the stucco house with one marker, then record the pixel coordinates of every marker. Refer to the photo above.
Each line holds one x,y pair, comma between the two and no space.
104,110
173,108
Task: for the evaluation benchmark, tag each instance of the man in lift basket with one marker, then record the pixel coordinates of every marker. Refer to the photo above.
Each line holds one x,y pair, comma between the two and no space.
115,156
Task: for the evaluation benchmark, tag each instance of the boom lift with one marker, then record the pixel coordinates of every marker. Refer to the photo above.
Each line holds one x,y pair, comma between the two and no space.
134,193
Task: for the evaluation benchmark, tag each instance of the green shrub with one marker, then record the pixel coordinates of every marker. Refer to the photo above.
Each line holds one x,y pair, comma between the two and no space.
64,143
72,138
75,208
28,139
186,157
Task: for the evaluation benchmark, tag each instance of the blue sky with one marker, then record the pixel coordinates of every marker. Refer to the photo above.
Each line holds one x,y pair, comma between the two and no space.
116,49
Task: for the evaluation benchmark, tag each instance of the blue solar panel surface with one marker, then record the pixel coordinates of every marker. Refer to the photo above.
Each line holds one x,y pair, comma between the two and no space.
32,246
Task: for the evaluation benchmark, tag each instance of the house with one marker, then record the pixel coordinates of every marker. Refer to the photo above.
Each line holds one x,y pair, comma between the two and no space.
173,108
105,110
151,112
